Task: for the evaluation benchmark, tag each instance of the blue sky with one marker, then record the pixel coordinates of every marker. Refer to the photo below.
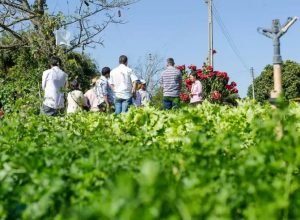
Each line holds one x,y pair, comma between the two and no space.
178,29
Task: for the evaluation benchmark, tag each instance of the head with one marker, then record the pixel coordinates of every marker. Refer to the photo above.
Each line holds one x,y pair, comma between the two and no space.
138,84
193,76
170,62
74,85
105,72
55,61
94,80
123,60
143,84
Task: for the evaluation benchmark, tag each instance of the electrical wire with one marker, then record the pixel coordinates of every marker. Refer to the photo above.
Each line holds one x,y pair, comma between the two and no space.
228,37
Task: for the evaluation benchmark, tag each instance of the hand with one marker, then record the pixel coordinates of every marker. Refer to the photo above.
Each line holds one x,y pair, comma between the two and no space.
133,93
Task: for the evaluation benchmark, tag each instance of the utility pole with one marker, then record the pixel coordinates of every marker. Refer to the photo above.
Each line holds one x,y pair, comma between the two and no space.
252,75
275,33
210,33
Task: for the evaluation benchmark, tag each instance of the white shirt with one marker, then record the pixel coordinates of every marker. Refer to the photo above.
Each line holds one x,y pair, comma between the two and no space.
53,81
122,78
75,101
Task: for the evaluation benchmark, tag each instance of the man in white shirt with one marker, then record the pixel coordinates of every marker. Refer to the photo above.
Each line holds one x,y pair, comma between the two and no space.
53,83
123,82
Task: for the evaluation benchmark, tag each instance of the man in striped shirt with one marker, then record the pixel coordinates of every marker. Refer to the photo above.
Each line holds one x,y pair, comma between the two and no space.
170,80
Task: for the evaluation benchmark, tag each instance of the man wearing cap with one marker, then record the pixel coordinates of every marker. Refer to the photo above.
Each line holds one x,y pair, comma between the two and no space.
53,82
170,81
123,81
103,90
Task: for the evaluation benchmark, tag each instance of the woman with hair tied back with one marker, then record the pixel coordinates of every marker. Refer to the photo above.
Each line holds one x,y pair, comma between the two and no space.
91,97
76,100
196,90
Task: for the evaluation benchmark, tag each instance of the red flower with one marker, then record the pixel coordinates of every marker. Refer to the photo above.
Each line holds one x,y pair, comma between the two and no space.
184,97
181,68
235,90
211,74
202,76
192,67
215,95
199,71
209,68
228,87
233,84
188,83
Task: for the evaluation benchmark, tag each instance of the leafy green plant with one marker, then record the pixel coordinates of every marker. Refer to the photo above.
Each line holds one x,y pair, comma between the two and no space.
208,162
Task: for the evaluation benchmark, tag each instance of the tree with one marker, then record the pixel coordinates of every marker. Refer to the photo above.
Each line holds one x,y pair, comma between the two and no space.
149,68
33,25
264,83
21,75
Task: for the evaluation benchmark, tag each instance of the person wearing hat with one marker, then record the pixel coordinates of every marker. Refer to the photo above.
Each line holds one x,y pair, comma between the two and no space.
75,98
144,94
103,91
91,99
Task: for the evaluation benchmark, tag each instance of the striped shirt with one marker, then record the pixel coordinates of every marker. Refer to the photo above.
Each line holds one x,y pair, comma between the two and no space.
170,81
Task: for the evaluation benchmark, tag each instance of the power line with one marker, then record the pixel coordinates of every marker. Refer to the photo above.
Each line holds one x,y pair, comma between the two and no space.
228,37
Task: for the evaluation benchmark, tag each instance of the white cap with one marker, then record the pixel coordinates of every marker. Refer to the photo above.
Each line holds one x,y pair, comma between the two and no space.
143,81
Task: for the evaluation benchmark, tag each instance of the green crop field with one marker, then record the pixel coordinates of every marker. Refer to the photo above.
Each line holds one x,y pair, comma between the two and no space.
207,162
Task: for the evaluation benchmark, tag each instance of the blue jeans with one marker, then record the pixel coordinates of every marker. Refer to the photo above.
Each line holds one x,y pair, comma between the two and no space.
170,102
122,105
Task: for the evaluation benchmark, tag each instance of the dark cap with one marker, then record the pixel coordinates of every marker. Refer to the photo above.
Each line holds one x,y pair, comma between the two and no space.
74,85
105,70
171,61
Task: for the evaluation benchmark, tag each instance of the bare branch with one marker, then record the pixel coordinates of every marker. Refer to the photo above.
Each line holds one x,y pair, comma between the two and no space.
19,17
15,34
20,7
11,46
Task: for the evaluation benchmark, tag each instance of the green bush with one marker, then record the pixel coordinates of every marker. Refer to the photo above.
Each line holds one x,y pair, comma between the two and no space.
207,162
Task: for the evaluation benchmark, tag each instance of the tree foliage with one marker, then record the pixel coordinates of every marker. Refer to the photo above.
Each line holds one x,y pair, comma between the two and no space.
264,83
21,75
32,24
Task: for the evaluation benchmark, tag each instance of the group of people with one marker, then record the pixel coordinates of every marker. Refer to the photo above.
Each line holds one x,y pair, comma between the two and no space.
171,80
115,89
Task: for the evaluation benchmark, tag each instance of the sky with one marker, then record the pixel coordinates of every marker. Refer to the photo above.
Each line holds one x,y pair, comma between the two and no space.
179,29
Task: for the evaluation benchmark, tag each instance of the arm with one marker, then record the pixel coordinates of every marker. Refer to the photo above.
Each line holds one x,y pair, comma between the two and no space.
133,78
161,81
180,81
44,80
112,82
105,94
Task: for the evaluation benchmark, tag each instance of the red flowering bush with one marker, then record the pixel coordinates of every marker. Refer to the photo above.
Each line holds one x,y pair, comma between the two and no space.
215,84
